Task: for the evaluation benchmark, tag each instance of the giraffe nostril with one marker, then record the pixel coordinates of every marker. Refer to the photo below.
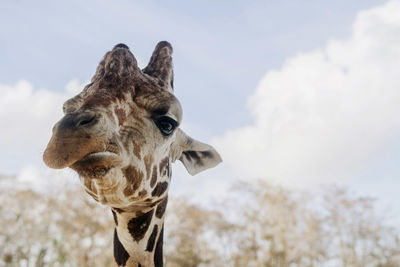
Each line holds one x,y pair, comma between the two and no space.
87,120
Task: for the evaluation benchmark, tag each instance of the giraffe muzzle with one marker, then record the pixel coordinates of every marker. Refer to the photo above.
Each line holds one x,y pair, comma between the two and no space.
75,136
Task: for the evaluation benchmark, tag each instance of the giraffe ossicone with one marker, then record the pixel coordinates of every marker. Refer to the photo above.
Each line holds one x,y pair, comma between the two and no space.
121,134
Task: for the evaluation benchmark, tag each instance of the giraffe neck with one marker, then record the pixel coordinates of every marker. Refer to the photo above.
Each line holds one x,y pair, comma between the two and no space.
138,236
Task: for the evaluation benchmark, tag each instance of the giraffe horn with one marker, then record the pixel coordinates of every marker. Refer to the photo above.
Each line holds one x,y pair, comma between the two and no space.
160,65
117,62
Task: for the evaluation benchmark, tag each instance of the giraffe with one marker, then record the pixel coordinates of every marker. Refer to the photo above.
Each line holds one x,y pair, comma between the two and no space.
121,134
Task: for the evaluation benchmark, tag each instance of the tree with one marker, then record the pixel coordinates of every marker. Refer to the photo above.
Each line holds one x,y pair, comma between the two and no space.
258,225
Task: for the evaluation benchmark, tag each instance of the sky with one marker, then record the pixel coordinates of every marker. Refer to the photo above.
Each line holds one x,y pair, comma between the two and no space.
299,93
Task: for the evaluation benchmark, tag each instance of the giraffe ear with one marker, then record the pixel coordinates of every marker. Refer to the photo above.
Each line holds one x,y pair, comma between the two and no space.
195,156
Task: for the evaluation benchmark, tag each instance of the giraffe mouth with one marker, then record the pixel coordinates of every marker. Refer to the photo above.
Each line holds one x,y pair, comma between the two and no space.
96,164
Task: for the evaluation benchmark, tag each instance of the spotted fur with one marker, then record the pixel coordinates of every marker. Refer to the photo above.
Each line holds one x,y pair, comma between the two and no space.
138,226
111,136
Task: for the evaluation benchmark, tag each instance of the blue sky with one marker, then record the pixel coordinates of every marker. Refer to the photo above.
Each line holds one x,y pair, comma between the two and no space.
253,79
222,48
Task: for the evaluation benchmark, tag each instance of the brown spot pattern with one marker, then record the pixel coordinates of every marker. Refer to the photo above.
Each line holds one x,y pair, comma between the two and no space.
164,167
142,193
160,188
158,254
128,191
120,115
148,159
136,150
134,178
138,226
120,254
152,239
154,176
161,208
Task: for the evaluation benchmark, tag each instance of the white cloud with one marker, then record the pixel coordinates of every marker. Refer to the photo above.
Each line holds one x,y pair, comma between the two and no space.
27,116
326,113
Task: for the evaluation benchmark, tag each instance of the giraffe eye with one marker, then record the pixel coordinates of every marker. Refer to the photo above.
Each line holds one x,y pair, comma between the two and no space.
166,125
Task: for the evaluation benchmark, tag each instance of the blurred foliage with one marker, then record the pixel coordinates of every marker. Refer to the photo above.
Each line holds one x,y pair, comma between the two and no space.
63,229
258,225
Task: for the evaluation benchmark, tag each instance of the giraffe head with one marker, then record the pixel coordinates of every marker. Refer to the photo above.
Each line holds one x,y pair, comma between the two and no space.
121,133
